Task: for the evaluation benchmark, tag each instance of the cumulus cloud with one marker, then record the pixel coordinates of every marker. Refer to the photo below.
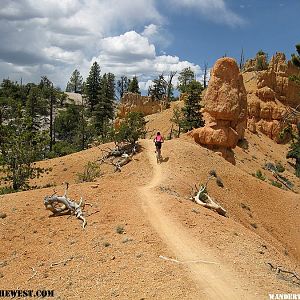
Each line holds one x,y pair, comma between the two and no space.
53,37
132,54
64,34
215,10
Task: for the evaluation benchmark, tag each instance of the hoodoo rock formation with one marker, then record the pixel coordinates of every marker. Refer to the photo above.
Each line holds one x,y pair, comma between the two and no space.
269,93
132,102
225,109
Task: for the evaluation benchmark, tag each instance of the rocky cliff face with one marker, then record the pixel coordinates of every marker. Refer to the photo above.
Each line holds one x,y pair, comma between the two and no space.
132,102
269,93
225,109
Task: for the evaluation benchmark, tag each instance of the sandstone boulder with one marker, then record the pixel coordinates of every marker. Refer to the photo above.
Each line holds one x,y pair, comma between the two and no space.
225,109
132,102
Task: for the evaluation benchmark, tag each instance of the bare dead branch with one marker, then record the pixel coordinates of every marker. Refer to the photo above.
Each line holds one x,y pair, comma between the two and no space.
295,278
64,262
34,273
59,205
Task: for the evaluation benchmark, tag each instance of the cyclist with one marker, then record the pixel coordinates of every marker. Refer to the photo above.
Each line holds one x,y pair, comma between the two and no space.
158,140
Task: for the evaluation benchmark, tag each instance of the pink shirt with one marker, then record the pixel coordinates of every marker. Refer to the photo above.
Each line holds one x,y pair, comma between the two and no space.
158,138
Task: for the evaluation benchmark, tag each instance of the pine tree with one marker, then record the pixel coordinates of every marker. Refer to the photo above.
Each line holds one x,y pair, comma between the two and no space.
75,83
104,110
294,150
296,57
132,128
20,148
35,107
186,76
49,94
122,86
192,116
159,88
134,86
93,85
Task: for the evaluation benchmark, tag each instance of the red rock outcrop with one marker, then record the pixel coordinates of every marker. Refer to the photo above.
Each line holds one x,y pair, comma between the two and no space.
132,102
277,78
269,93
225,109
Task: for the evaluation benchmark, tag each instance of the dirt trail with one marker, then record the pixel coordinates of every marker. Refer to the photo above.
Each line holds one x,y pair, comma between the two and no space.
213,279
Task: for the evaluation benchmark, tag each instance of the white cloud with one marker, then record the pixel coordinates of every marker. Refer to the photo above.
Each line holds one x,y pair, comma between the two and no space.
132,54
53,37
65,34
215,10
129,44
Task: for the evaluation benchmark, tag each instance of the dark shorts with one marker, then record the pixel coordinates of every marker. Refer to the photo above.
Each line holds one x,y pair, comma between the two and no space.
158,145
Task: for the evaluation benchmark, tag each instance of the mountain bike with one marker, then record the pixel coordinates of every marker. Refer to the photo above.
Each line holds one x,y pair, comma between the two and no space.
158,155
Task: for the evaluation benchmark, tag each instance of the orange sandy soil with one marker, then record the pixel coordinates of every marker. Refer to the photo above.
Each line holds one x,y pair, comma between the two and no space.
219,257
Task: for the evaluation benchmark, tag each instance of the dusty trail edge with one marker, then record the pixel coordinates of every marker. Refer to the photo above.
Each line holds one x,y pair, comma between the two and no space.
213,280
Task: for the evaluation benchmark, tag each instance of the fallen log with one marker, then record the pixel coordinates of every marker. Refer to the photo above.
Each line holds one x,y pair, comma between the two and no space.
61,205
202,198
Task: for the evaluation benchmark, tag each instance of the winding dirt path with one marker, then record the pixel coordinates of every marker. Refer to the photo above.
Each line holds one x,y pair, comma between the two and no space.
214,280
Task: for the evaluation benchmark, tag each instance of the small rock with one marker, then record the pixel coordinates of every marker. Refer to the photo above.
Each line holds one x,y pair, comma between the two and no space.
3,215
94,186
1,275
113,257
3,264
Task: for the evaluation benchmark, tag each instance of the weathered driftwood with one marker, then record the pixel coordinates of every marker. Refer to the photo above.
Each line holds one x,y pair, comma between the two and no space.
202,198
60,205
118,151
273,169
291,276
123,154
125,159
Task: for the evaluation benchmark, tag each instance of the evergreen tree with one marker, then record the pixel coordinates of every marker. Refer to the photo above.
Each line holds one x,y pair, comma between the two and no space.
170,88
186,76
104,110
296,57
132,128
159,88
49,93
73,133
93,85
294,150
134,86
192,116
36,107
122,86
75,83
177,119
20,148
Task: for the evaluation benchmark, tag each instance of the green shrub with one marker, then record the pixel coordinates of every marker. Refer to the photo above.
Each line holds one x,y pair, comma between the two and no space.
280,168
277,184
260,175
62,148
7,190
90,173
120,229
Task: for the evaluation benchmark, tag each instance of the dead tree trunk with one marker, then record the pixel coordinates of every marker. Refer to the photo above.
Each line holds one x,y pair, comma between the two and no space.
60,205
202,198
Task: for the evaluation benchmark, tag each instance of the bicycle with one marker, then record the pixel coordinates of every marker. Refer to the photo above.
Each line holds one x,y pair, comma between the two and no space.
158,155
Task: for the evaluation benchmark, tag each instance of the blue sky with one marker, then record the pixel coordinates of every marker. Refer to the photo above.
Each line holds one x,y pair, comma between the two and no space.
138,37
270,25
